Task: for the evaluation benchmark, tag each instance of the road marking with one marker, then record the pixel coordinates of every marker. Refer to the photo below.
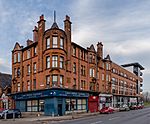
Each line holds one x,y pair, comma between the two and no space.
113,118
97,122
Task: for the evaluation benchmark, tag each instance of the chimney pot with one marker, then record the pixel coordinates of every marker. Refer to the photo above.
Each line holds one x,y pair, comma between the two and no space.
42,17
67,18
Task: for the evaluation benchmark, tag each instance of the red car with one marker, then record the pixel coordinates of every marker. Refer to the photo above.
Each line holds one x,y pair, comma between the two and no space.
140,106
133,107
107,110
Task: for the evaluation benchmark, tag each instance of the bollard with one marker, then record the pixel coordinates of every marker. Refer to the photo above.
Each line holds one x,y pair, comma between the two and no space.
5,116
38,115
13,116
52,114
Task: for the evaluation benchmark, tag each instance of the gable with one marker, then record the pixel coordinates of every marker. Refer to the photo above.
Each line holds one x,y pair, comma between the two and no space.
17,47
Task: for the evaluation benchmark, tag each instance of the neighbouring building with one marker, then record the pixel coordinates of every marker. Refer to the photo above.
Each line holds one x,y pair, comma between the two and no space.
54,75
5,90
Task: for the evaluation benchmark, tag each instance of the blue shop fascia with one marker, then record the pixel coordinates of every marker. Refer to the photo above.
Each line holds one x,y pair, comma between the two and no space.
54,101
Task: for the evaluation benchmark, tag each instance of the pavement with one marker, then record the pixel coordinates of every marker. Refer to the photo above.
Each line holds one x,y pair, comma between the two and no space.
58,118
33,119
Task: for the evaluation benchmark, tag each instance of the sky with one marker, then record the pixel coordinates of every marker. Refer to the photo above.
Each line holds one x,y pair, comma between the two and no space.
123,26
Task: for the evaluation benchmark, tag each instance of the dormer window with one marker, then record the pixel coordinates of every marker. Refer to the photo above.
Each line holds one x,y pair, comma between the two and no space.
28,54
90,58
18,57
55,43
48,43
15,58
61,43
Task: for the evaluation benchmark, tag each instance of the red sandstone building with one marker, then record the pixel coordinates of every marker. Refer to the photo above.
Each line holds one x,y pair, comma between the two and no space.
54,75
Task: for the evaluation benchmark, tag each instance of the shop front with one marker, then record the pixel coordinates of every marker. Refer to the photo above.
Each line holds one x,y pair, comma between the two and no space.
105,100
119,101
93,103
54,102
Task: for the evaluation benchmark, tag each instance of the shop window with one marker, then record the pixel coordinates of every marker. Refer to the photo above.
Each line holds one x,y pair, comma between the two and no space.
71,104
61,62
61,43
55,43
48,43
48,62
54,61
81,104
32,106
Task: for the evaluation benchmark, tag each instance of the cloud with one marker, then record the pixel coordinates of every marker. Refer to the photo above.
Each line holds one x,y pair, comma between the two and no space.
122,26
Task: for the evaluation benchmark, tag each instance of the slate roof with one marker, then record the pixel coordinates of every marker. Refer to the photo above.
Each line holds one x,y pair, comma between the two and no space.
54,26
107,58
5,80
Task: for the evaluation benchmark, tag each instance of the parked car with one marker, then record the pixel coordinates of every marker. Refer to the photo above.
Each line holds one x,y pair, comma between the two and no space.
124,108
133,107
107,110
10,113
140,106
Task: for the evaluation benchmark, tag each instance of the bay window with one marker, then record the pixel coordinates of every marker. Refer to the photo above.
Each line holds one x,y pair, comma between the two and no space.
55,42
61,62
54,61
48,43
48,62
54,80
61,43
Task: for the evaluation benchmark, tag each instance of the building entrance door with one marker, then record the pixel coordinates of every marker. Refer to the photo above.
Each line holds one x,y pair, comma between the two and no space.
60,109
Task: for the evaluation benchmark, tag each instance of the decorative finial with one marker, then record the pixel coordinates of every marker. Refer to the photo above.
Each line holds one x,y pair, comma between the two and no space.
54,16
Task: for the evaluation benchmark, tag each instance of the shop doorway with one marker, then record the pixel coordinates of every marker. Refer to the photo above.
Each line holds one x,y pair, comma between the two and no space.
60,109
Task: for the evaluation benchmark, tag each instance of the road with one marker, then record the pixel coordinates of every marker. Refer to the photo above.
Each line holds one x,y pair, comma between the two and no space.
130,117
